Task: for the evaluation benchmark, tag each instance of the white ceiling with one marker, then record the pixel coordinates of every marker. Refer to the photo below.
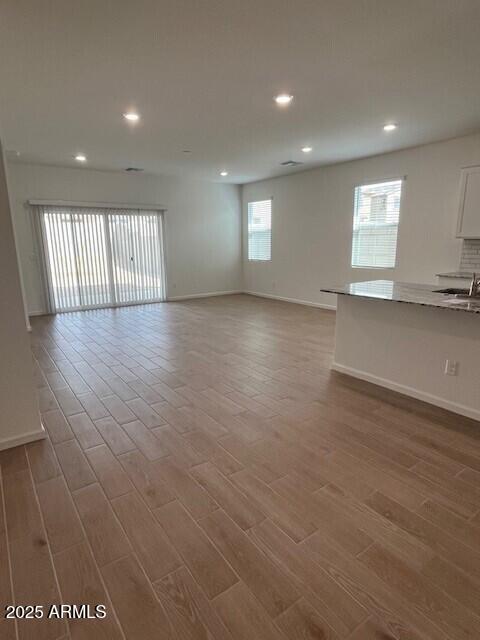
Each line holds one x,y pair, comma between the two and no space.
203,73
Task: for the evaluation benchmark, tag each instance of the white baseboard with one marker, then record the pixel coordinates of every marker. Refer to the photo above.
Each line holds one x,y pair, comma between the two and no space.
210,294
408,391
190,296
16,441
32,314
307,303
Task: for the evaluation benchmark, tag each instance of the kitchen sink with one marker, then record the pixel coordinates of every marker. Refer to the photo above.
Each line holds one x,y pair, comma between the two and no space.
453,291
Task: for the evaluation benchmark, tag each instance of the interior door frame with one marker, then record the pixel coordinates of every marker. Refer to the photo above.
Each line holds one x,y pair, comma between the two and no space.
43,251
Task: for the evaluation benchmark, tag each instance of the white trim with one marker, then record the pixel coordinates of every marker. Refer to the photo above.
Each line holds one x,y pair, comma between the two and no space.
306,303
191,296
33,314
408,391
262,260
106,215
401,179
31,436
212,294
209,294
118,305
465,173
97,205
113,305
163,255
39,224
381,181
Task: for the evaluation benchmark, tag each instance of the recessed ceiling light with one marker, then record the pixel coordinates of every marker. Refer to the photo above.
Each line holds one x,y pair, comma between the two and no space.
283,99
131,116
389,127
307,149
224,173
80,157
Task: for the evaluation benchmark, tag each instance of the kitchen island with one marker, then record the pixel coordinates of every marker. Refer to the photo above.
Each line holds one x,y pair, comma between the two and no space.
413,339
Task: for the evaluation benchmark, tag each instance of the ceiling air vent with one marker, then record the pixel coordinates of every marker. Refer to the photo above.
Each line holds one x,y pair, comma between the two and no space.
134,169
290,163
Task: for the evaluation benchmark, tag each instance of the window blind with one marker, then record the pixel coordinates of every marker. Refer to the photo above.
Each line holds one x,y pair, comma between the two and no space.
375,224
98,257
260,230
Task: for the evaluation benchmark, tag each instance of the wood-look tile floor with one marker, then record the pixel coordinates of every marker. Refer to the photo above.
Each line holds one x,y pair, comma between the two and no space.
207,477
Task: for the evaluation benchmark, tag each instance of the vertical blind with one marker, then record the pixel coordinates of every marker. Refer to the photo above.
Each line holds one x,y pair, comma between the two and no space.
101,257
136,256
260,230
375,224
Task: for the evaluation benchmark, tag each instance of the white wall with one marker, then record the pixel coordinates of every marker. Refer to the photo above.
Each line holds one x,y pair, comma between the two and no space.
203,222
313,214
20,419
404,347
312,221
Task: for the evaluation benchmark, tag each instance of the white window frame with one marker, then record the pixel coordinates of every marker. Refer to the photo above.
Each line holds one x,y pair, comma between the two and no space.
401,179
261,260
36,207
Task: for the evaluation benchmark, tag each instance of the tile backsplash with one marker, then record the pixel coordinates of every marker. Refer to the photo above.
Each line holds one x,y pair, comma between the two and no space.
470,260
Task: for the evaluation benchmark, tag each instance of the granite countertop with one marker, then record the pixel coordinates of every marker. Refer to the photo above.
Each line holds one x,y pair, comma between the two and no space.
423,294
456,274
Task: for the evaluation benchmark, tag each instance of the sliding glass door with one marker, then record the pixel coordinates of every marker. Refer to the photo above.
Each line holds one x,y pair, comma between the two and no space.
137,262
102,257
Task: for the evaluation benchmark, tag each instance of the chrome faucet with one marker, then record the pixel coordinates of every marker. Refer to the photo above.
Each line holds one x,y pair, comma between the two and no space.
474,290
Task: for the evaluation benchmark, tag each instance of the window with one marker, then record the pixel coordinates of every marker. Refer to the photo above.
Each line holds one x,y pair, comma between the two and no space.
375,224
260,230
98,257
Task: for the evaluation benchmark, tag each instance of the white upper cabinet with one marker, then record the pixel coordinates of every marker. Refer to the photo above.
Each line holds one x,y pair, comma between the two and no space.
468,225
